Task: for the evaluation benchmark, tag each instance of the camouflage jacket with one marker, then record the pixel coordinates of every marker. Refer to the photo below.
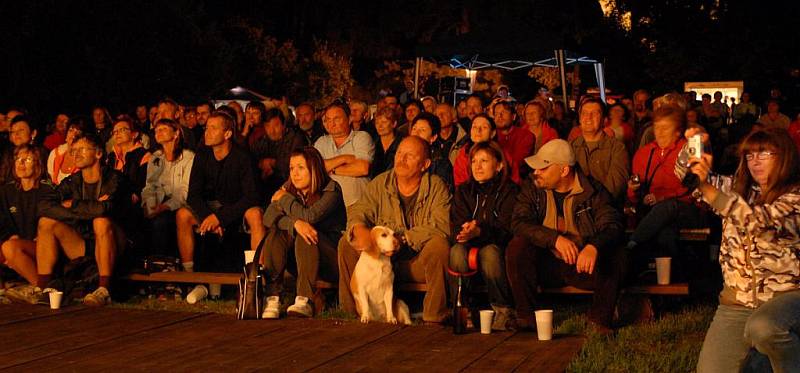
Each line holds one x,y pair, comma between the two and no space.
760,247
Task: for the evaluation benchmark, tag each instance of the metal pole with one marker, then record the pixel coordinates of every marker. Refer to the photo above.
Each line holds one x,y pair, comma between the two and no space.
417,67
563,70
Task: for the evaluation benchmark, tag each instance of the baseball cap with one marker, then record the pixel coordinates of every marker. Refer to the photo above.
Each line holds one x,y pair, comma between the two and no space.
554,152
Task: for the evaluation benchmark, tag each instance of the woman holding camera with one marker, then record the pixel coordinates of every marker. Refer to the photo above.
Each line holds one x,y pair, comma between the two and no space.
760,302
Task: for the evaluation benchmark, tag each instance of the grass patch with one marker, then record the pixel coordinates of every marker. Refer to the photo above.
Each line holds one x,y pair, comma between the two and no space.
669,344
225,307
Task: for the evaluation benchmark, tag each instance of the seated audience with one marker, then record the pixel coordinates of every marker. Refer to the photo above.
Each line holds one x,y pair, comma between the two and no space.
663,203
58,132
19,212
223,191
22,131
348,154
306,120
386,142
535,120
758,254
416,205
600,155
271,151
566,231
426,126
129,156
167,184
306,216
483,129
83,217
451,134
517,141
480,217
61,162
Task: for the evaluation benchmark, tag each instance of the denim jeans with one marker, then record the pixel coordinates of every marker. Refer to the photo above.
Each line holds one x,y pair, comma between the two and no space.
771,329
492,266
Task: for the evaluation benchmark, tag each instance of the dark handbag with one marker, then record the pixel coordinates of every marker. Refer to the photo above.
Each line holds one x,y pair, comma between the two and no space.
252,286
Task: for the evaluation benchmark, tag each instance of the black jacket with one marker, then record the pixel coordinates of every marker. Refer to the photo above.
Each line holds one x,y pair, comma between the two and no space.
134,170
231,182
19,213
598,222
87,207
491,204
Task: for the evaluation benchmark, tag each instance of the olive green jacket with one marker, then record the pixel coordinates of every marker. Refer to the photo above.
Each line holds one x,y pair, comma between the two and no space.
380,205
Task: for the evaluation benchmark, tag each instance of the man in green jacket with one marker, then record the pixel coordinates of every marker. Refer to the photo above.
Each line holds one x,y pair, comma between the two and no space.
416,205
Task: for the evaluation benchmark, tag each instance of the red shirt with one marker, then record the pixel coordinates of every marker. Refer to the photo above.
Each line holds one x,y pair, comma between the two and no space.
794,133
663,182
518,143
54,139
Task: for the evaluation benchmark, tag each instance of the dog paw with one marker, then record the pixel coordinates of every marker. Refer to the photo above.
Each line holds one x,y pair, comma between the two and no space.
364,319
392,320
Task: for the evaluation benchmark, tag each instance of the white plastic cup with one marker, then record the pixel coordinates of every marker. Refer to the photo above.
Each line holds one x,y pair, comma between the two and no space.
663,270
487,316
214,290
55,299
544,324
249,256
197,294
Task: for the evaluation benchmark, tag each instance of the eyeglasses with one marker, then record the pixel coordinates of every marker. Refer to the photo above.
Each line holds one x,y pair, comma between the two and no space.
25,160
75,151
761,156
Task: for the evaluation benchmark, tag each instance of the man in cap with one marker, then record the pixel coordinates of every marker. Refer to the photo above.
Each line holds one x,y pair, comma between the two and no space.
566,232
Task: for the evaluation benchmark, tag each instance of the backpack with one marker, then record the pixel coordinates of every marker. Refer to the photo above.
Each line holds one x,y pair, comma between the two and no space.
80,278
252,286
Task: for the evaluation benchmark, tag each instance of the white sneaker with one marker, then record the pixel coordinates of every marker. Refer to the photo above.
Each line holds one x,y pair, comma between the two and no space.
273,309
197,294
99,297
300,308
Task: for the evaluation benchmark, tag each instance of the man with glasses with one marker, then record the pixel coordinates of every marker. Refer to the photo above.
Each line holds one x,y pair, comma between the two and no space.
348,154
81,218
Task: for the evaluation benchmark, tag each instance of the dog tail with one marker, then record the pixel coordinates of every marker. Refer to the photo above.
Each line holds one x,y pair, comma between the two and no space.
401,310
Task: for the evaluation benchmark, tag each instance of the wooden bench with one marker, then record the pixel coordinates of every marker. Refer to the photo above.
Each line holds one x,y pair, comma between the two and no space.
671,289
695,235
187,277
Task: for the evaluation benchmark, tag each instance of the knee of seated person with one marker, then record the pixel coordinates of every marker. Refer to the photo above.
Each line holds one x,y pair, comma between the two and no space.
46,224
253,216
7,252
102,225
490,259
437,247
458,258
760,330
184,216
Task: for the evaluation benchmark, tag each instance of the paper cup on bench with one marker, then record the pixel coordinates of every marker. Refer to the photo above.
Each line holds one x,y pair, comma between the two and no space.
663,265
544,324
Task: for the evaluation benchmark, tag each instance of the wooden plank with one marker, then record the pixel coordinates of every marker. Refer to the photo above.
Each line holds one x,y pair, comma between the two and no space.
38,340
425,348
693,234
301,345
169,347
188,277
552,356
524,349
18,312
671,289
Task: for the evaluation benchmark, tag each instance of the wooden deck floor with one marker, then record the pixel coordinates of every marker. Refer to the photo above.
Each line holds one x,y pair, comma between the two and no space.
34,338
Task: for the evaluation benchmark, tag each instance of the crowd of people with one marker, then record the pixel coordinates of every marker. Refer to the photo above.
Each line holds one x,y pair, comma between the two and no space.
544,194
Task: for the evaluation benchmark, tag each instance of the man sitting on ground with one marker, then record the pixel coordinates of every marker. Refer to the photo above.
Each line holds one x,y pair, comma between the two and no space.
82,217
416,205
222,190
565,232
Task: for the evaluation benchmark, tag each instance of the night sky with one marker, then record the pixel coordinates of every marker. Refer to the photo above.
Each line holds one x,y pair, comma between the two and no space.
69,56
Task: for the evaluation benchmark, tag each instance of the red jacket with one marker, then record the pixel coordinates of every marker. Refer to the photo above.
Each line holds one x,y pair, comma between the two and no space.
518,143
661,175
